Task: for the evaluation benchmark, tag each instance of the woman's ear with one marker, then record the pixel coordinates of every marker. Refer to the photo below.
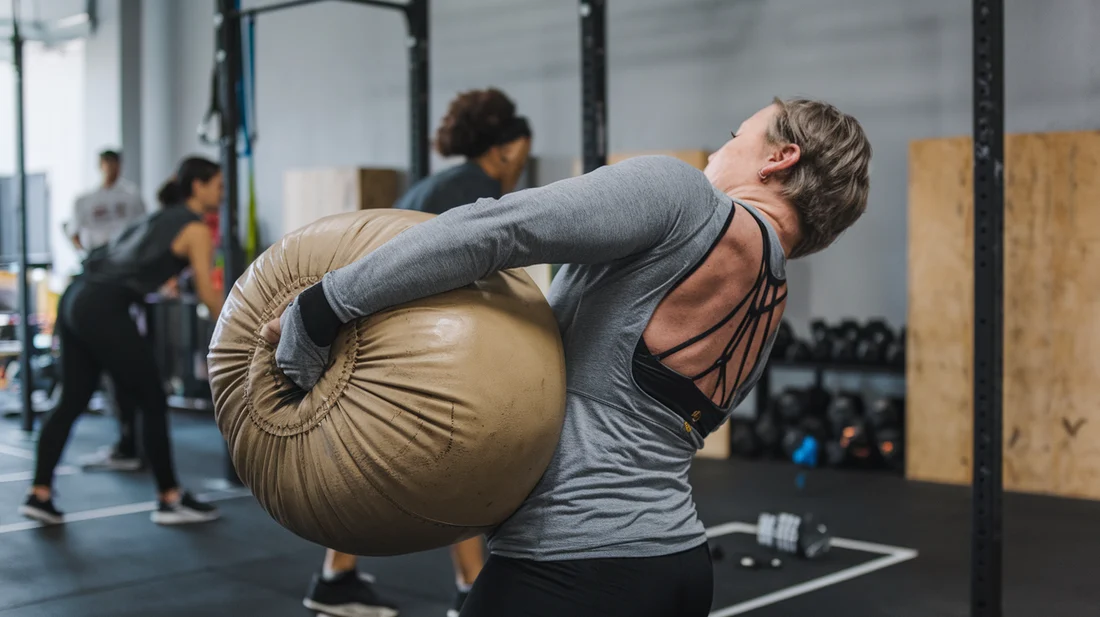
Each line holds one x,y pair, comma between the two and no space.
782,159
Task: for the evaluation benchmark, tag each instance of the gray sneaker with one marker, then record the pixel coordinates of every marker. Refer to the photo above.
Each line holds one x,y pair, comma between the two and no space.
186,511
108,458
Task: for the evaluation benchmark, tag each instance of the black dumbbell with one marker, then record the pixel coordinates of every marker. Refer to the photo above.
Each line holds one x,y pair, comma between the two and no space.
859,448
793,404
895,351
891,448
845,409
846,337
850,441
798,351
768,433
793,436
803,536
834,454
874,340
743,439
886,412
790,405
784,336
821,340
848,328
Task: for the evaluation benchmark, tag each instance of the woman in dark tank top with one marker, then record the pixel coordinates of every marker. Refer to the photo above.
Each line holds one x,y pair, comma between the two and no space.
482,127
97,335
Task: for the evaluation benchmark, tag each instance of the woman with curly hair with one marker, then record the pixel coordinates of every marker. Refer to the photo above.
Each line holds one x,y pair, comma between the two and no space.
482,127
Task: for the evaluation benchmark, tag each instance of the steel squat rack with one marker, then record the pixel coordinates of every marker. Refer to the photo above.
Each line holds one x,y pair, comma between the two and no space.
988,144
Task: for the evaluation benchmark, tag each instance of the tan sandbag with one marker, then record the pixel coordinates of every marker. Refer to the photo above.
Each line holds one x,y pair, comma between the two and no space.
434,422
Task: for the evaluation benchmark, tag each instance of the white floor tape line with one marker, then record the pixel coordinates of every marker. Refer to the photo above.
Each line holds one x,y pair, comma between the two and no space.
17,452
27,476
121,510
891,555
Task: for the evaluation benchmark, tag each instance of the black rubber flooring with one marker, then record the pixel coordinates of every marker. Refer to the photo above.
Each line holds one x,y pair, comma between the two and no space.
117,563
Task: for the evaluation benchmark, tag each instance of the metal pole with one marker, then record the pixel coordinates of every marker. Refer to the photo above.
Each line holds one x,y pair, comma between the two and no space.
416,16
272,7
227,59
989,205
26,337
594,83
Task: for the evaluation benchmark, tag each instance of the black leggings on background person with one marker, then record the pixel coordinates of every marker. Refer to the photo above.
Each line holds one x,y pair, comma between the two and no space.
98,335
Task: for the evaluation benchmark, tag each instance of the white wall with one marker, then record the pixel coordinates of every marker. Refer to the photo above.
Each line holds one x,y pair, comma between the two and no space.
158,102
54,132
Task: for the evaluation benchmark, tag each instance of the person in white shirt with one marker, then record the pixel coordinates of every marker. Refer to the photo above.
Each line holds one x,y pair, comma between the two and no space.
98,216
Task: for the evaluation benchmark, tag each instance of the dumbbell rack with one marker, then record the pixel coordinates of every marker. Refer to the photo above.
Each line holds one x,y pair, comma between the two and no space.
819,368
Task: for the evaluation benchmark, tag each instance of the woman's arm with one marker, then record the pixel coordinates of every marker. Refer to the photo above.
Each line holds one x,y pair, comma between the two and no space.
609,214
200,252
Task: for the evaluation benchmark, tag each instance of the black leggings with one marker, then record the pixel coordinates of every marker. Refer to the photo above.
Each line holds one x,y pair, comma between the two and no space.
97,334
678,585
126,411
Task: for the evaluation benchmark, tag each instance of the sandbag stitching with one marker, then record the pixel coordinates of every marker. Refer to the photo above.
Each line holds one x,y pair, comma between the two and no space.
327,403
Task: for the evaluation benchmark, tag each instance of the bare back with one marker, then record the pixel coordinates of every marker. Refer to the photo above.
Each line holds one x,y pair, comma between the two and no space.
728,300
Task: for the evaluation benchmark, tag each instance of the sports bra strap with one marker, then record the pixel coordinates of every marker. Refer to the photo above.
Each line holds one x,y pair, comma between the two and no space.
765,295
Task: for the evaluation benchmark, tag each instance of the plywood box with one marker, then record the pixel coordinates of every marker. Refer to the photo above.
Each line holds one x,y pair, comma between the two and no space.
310,194
1051,395
717,444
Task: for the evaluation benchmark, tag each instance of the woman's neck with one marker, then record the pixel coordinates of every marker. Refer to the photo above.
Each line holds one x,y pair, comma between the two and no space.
776,210
193,205
491,170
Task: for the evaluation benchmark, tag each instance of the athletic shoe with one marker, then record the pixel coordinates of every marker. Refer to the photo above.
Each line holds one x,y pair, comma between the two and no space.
347,595
460,599
41,510
185,511
110,459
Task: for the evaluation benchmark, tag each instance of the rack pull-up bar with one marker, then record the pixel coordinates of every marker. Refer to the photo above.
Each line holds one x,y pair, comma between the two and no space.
989,214
295,3
593,83
228,64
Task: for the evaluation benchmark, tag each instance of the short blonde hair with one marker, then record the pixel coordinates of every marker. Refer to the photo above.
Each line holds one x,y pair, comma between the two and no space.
828,186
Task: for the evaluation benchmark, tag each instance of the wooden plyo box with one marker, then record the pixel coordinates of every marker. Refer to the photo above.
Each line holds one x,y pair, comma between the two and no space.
311,194
1051,363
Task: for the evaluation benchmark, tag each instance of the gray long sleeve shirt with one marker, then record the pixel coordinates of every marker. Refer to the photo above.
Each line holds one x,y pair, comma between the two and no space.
618,483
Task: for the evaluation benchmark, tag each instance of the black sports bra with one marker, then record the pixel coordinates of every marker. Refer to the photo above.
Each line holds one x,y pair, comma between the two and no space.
679,392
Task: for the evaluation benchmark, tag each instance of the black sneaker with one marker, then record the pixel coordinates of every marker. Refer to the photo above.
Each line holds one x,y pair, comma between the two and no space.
41,510
185,511
111,459
347,595
460,599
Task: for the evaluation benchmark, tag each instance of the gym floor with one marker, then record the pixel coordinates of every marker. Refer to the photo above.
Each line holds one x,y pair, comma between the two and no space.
903,547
